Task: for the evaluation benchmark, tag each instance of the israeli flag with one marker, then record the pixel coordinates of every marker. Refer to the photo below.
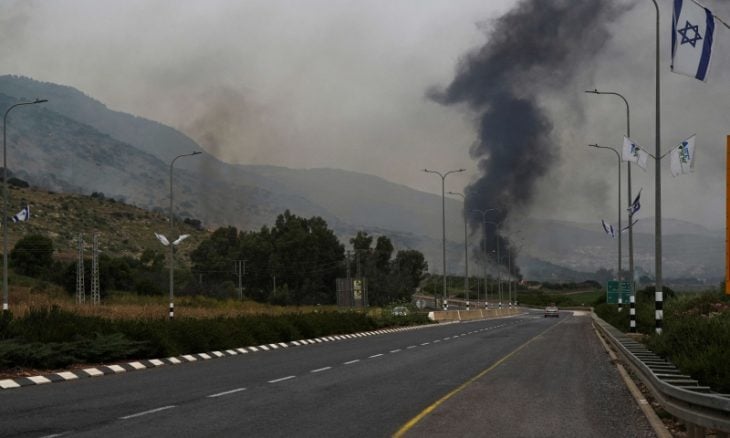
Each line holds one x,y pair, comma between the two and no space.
608,228
636,205
23,215
693,27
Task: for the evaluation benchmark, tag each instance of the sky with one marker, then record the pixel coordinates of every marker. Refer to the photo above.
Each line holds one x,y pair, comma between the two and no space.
349,84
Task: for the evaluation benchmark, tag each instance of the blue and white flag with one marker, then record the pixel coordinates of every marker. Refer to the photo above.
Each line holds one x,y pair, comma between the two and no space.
693,27
633,152
23,215
635,206
683,157
608,228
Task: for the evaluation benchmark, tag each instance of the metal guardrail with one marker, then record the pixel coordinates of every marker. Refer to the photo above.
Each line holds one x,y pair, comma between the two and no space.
697,406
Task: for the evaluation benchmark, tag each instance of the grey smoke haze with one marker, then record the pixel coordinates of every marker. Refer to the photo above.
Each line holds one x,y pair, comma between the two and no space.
341,83
535,46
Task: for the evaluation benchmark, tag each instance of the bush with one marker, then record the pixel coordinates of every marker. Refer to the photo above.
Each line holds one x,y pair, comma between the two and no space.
32,255
695,337
54,338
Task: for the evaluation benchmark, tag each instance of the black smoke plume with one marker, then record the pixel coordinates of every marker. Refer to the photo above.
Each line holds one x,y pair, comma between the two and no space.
539,46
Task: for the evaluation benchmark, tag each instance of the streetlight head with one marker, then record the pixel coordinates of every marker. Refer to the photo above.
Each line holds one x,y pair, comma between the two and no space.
594,91
196,153
40,101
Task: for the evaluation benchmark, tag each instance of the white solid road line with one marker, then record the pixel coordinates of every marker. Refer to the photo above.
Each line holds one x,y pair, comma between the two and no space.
151,411
232,391
319,370
352,362
282,379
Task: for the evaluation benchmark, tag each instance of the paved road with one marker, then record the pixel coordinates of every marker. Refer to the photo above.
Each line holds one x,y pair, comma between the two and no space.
360,387
561,383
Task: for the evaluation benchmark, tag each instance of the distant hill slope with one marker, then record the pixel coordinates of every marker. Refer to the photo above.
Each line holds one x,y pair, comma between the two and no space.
75,144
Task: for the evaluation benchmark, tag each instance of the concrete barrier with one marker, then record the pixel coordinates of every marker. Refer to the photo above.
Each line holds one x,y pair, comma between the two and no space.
469,315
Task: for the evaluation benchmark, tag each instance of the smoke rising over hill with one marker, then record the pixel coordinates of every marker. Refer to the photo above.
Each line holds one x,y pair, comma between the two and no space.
536,46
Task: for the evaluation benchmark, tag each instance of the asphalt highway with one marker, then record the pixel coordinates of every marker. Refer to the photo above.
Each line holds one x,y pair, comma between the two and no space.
505,370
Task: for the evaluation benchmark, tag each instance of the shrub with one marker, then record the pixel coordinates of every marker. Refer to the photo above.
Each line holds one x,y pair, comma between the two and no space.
32,255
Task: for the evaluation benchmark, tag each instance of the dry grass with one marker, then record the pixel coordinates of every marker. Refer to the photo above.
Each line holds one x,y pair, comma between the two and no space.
131,306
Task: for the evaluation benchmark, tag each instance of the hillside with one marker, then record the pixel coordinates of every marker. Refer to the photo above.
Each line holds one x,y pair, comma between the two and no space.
75,144
123,230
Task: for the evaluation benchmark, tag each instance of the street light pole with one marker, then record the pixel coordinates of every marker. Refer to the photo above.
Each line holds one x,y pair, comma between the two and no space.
443,220
632,323
5,200
484,233
466,255
172,238
618,156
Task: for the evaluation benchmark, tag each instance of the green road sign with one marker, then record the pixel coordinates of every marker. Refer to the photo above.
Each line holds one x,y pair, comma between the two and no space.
618,289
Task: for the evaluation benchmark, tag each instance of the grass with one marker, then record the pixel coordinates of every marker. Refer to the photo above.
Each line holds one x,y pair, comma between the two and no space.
122,305
124,230
695,335
561,298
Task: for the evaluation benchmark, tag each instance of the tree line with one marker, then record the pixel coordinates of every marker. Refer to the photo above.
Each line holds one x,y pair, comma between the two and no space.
295,261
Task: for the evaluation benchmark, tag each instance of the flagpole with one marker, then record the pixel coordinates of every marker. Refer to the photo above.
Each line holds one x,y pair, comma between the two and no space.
618,156
659,290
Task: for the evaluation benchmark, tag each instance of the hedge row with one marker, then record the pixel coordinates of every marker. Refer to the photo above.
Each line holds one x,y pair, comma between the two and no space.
53,338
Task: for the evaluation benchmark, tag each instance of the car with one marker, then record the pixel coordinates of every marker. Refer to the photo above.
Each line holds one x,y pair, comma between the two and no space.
552,310
400,311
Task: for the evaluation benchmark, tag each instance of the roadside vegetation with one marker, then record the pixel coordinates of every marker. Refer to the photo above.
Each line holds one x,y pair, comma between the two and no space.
287,288
695,333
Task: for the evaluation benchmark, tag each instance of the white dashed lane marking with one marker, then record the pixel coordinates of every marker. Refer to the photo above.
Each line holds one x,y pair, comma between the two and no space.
375,355
151,411
319,370
232,391
282,379
352,362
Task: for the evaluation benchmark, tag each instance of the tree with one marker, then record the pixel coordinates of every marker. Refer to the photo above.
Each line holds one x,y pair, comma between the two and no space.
214,257
408,269
32,256
304,256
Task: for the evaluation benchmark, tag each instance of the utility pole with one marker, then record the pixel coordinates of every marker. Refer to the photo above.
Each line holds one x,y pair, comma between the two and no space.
240,271
80,287
348,289
95,288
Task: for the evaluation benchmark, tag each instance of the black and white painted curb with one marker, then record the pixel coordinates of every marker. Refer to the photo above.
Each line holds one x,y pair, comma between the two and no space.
153,363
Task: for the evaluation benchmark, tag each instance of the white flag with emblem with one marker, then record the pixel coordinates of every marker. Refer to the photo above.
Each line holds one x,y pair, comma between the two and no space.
683,157
632,152
693,27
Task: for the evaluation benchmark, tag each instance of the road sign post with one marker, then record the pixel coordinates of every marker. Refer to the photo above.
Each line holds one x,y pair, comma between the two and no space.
616,290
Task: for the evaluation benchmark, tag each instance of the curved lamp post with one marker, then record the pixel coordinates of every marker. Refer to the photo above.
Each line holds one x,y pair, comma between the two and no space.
5,200
443,220
630,197
618,156
172,246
